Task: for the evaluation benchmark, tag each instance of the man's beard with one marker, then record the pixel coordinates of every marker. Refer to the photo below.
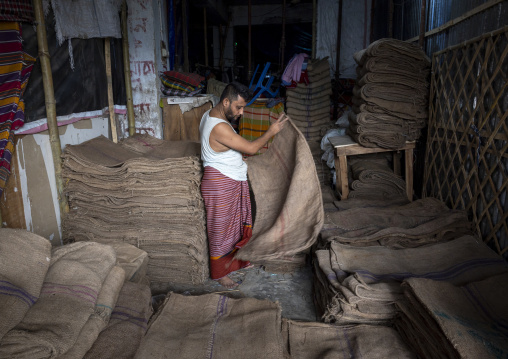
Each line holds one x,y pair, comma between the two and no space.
229,115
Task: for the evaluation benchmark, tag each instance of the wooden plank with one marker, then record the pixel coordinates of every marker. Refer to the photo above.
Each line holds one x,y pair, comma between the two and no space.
172,121
344,187
111,106
11,203
344,145
459,19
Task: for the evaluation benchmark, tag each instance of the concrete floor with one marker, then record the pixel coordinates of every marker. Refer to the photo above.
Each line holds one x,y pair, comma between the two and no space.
293,291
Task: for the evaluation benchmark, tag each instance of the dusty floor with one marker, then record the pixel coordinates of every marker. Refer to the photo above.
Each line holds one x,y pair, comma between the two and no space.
293,291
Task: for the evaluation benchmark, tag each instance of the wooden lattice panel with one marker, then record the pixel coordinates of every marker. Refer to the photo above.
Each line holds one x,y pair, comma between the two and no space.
466,160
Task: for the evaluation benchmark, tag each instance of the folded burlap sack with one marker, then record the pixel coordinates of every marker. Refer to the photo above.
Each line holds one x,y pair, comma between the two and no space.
24,261
319,340
132,260
442,320
222,328
106,300
127,325
68,297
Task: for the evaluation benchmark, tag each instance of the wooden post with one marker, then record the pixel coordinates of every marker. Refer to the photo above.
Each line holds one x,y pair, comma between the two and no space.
337,63
111,104
206,37
185,37
422,24
249,51
49,96
372,16
314,28
127,71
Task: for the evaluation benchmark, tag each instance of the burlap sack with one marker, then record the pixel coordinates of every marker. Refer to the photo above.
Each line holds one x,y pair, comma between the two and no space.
390,78
318,340
132,260
318,111
420,222
287,193
68,297
106,300
359,105
221,328
307,96
470,320
397,48
127,325
24,261
459,261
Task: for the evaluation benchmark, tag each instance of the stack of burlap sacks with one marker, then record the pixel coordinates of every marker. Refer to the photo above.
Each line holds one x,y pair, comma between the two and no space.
142,191
215,326
73,301
309,108
391,96
416,265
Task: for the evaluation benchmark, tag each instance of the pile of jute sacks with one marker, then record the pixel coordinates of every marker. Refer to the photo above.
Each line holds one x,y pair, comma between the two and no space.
82,300
416,267
308,105
391,95
142,191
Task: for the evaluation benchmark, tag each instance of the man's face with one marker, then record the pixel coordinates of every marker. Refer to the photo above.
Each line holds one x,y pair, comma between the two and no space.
235,109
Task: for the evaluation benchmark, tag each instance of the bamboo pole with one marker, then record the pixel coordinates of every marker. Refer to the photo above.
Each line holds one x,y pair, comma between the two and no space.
206,37
127,71
249,50
314,27
111,104
461,18
49,97
185,37
337,61
422,23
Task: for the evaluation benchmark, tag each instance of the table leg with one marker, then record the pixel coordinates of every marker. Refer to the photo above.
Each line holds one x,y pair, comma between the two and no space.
409,173
341,174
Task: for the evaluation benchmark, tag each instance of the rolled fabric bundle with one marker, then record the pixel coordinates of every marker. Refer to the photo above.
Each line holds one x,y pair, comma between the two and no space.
384,139
24,262
393,78
68,297
106,300
127,326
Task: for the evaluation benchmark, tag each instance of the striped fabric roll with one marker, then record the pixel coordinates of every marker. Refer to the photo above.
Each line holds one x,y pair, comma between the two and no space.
229,220
15,68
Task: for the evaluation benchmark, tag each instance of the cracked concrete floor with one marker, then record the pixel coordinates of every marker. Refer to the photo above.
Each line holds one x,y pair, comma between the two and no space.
293,291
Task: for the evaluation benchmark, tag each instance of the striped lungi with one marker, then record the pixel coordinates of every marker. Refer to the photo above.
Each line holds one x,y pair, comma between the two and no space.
229,220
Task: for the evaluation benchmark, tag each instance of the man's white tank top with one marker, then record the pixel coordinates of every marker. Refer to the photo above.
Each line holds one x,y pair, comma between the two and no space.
230,162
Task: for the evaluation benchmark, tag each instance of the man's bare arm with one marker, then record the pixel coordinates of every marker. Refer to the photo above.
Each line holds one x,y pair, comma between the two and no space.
224,134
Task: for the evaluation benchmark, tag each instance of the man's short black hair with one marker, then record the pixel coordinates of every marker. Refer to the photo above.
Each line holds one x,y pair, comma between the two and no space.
235,89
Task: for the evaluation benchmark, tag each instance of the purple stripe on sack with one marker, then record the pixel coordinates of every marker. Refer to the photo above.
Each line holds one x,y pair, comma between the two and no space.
130,309
64,289
446,274
8,286
70,295
349,347
221,309
69,286
139,322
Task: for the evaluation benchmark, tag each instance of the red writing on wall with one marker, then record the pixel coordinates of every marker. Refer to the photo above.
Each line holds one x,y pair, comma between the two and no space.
140,26
142,68
142,108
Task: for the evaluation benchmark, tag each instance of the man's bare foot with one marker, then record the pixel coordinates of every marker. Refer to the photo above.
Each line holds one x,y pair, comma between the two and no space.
227,282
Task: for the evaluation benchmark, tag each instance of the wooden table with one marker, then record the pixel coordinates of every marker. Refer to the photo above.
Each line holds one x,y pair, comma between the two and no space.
345,146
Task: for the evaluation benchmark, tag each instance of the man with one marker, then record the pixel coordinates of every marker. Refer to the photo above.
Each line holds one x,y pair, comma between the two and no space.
224,185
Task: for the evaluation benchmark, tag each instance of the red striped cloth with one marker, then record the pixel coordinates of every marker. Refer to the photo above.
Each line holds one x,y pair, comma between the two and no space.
229,220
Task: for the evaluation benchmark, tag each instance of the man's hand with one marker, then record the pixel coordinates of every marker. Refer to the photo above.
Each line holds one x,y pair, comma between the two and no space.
278,125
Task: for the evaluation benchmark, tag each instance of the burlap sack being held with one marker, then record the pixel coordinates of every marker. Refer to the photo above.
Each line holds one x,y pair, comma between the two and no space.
67,300
287,193
24,261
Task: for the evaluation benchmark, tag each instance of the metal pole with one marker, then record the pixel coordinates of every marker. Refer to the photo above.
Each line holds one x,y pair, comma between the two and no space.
49,96
249,52
127,71
206,37
422,23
